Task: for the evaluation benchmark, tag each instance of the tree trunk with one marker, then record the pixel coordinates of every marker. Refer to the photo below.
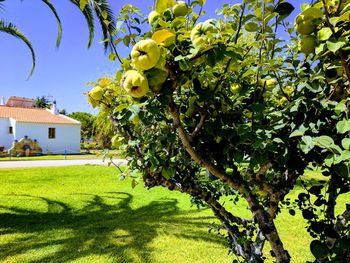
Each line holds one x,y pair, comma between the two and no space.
268,228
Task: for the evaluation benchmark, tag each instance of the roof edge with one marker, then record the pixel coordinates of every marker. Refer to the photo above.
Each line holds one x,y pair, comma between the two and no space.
52,123
71,119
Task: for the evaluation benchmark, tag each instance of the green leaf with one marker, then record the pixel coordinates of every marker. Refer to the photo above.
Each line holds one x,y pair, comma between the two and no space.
342,169
163,36
133,183
323,141
304,6
344,17
167,173
324,34
121,107
284,9
329,160
249,72
126,40
334,21
334,46
320,48
298,132
341,107
307,144
251,27
343,126
112,57
184,64
345,155
318,249
346,143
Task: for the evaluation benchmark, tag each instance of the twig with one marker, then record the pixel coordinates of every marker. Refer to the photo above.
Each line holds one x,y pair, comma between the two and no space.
280,85
199,125
240,23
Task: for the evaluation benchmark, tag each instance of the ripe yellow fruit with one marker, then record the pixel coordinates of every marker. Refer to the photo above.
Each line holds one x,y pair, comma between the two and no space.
307,44
145,54
201,31
162,5
305,22
289,90
153,16
305,27
180,9
210,26
269,84
235,88
312,13
96,93
135,83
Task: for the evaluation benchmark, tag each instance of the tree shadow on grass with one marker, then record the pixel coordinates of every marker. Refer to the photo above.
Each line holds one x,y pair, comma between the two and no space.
106,226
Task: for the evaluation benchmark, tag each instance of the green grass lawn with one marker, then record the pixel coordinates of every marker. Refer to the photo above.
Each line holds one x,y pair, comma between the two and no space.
85,214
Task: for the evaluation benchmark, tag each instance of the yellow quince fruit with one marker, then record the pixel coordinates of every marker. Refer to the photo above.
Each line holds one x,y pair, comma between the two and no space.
200,32
96,93
305,22
145,54
153,16
180,9
307,44
235,88
135,83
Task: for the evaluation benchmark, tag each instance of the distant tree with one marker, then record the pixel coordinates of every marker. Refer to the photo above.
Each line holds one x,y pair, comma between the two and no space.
63,112
87,124
41,102
103,129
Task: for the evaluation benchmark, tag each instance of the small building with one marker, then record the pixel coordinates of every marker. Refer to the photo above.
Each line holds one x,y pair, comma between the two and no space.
55,133
21,102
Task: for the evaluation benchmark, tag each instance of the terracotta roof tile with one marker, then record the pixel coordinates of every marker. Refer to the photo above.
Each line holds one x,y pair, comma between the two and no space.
34,115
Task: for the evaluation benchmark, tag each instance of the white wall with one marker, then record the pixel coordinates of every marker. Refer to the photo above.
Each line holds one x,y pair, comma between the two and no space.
6,139
67,136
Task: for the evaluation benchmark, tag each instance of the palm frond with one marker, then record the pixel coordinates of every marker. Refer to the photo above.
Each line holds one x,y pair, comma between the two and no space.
12,30
89,17
2,6
59,25
106,19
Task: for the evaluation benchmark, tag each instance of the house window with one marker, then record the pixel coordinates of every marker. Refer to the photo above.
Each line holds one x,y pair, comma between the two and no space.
10,130
52,133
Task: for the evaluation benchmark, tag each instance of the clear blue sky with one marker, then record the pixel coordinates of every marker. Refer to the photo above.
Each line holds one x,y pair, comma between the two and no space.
64,72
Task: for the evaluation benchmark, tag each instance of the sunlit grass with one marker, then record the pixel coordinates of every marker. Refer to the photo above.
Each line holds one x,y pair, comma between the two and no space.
85,214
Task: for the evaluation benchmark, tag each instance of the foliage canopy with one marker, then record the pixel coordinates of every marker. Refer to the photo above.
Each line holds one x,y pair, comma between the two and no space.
231,110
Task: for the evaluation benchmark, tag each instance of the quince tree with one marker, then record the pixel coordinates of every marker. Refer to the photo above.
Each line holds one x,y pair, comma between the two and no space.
223,110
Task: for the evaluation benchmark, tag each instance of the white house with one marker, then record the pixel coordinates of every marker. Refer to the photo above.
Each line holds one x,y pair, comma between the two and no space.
54,132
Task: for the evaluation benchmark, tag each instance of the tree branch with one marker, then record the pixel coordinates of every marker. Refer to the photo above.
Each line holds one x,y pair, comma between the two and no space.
235,183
